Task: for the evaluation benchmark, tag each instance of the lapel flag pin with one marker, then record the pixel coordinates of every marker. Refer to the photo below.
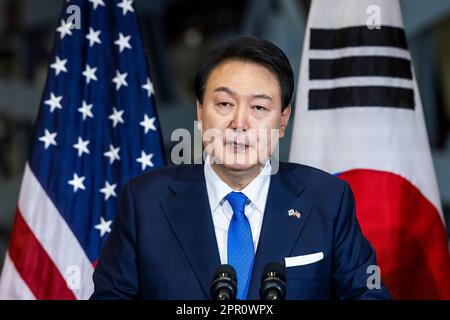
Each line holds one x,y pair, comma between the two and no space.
294,213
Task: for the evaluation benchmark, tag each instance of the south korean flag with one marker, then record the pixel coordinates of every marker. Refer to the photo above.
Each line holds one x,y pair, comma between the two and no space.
359,116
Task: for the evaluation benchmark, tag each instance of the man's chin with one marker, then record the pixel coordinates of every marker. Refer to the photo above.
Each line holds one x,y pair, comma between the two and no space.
234,161
239,166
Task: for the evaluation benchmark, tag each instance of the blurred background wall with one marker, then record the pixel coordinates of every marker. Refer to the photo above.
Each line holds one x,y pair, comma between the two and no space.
177,35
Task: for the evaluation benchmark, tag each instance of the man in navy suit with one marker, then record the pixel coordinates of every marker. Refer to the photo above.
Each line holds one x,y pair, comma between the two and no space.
176,225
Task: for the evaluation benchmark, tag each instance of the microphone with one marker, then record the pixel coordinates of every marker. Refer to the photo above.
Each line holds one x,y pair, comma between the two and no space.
224,283
273,282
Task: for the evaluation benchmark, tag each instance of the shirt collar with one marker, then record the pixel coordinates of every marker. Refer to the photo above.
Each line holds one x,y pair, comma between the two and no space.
219,189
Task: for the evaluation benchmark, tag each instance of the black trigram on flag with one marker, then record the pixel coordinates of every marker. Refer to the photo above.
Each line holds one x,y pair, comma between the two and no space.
359,67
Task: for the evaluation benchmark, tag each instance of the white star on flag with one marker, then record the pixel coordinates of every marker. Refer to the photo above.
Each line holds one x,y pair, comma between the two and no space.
97,3
148,86
126,6
48,138
59,65
104,226
93,37
148,123
119,79
86,110
77,183
81,146
108,190
116,117
89,73
145,160
64,29
123,42
112,154
54,102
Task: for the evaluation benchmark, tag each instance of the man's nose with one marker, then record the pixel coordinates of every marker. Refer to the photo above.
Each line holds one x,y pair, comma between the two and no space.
240,118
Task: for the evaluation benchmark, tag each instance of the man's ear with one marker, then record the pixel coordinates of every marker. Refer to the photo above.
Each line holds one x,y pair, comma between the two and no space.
199,113
285,115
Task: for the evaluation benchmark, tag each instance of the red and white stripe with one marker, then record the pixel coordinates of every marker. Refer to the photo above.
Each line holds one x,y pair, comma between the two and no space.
43,251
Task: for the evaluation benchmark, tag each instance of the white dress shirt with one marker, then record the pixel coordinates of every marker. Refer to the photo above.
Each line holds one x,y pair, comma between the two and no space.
256,192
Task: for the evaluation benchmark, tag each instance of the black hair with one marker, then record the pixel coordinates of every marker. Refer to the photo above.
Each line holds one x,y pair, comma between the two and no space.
249,49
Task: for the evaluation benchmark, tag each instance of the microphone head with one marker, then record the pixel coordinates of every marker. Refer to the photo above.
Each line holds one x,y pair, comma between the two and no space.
224,283
225,270
273,282
274,269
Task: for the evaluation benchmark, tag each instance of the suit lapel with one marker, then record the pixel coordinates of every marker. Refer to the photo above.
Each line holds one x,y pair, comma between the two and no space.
189,214
279,231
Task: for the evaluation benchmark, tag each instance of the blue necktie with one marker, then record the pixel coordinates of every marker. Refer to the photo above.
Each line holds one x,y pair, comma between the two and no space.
240,243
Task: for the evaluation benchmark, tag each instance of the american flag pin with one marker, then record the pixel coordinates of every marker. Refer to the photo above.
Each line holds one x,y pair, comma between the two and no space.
294,213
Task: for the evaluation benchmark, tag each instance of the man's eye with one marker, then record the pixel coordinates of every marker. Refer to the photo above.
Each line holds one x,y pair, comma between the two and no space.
259,108
224,104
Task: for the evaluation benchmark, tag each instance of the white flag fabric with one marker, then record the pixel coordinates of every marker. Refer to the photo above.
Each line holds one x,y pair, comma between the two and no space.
359,116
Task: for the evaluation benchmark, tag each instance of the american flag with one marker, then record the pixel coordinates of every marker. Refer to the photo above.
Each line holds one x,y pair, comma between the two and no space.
97,127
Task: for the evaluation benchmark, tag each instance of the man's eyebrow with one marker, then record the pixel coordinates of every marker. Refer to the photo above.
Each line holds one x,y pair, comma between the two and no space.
262,96
231,92
226,90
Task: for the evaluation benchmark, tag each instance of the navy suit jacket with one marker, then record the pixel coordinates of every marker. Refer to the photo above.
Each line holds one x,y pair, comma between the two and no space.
163,244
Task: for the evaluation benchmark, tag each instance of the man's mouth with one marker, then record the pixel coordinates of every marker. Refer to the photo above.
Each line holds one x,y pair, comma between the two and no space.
237,147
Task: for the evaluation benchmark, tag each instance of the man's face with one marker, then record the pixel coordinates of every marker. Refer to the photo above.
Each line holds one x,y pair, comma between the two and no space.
241,114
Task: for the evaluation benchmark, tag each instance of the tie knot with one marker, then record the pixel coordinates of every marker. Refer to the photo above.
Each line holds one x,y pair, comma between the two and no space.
237,201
